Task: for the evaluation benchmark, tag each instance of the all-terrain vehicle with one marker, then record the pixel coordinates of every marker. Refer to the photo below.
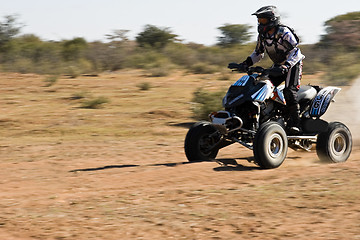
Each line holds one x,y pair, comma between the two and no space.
255,116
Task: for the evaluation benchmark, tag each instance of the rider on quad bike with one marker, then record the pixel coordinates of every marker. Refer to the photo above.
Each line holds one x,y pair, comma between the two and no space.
281,44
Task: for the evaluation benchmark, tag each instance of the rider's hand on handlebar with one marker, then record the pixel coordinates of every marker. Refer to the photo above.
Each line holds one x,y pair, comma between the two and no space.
279,70
241,67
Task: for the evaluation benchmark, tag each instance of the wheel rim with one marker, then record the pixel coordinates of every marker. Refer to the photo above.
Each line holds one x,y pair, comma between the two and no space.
206,143
276,145
339,145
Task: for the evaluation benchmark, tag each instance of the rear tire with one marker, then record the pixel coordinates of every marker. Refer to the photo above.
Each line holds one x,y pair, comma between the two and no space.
270,145
199,140
335,144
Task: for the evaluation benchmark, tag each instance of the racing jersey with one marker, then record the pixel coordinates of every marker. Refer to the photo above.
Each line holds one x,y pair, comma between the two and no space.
282,47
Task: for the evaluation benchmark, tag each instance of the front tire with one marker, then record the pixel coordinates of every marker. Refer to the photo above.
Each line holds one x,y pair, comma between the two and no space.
200,141
335,144
270,145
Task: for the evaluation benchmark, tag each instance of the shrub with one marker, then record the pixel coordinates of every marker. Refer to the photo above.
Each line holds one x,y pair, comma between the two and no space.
51,80
94,103
144,86
203,68
159,71
339,71
206,102
181,55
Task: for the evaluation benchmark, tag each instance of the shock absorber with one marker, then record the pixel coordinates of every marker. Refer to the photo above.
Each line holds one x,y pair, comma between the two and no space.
256,116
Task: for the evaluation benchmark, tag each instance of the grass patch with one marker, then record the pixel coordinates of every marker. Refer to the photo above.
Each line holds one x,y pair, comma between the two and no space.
206,102
203,68
144,86
95,103
51,80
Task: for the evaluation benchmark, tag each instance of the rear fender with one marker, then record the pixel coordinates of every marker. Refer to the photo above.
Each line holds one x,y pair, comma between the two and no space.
322,101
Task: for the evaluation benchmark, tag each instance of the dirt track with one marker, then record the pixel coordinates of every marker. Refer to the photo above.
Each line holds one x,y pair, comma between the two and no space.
111,188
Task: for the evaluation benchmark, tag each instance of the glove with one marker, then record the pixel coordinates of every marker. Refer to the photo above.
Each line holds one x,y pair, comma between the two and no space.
241,67
278,71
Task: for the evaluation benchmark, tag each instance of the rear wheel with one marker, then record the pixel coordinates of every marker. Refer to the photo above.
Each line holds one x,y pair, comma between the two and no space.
270,145
335,144
200,142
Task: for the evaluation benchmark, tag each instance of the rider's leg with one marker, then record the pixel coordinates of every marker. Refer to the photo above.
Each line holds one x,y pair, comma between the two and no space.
292,86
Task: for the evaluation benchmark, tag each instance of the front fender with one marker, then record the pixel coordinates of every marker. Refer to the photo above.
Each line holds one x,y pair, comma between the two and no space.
322,101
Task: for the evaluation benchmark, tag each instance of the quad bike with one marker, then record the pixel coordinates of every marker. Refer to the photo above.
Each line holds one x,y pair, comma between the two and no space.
255,116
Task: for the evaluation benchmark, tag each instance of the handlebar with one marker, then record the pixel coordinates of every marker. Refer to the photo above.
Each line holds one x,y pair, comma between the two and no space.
263,71
257,69
252,70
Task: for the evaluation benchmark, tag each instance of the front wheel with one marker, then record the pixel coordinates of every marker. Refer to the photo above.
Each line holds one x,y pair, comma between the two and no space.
201,141
335,144
270,145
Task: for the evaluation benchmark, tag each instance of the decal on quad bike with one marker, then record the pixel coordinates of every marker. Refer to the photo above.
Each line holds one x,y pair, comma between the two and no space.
322,101
244,79
278,96
235,99
264,92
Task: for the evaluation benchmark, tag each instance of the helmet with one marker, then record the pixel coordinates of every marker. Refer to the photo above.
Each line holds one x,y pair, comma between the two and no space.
271,13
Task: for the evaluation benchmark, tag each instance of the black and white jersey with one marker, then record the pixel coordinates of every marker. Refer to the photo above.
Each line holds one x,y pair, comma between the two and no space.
281,47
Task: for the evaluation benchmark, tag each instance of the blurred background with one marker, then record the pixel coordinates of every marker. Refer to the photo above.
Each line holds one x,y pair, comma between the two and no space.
89,37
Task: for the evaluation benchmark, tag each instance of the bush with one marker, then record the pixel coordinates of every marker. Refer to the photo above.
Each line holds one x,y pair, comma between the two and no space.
51,80
144,86
181,55
206,102
94,103
203,68
343,68
146,59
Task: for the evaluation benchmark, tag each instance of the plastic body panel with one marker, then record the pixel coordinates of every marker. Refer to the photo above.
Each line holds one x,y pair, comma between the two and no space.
322,101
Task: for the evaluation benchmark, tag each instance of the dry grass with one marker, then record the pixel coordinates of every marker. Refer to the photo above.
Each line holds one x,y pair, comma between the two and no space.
119,172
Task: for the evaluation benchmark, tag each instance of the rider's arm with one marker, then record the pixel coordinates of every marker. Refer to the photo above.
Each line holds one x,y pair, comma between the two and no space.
258,53
294,54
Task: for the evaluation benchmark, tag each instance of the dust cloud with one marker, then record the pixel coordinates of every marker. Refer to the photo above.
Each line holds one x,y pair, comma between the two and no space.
346,109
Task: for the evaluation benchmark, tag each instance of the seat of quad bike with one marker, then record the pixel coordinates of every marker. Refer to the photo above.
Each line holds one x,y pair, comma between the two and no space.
306,92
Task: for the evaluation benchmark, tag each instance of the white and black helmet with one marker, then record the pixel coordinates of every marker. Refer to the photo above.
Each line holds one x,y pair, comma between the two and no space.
271,13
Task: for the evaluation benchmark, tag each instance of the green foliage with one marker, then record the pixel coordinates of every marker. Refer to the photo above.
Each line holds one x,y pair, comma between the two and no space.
145,59
340,72
9,28
203,68
343,31
206,102
51,80
233,34
345,17
73,49
118,35
144,86
155,37
94,103
181,54
157,51
75,68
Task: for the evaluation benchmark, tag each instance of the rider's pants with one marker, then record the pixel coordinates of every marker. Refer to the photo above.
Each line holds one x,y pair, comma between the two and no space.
292,83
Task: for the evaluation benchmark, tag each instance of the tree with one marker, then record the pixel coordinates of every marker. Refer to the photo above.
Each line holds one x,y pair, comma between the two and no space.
155,37
234,34
9,28
118,35
343,30
72,49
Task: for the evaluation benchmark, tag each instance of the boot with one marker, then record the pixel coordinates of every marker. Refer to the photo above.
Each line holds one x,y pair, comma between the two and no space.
294,122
